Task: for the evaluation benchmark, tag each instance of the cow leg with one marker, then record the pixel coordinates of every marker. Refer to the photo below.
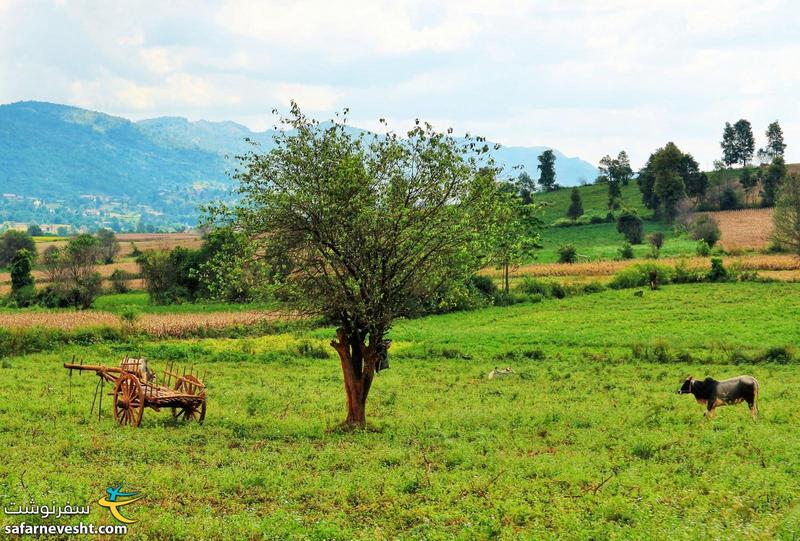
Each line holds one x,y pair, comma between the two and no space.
753,410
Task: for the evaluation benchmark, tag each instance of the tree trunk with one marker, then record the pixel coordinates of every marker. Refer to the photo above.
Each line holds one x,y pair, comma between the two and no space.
359,361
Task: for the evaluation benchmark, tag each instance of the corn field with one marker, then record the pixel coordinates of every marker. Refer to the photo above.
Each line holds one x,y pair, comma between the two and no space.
745,228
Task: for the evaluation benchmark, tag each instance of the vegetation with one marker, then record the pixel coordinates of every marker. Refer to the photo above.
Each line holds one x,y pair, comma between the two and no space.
13,241
575,209
372,230
530,461
547,170
787,215
630,225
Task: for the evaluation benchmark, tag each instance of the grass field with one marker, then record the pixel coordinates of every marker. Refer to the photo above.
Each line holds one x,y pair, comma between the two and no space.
587,440
594,198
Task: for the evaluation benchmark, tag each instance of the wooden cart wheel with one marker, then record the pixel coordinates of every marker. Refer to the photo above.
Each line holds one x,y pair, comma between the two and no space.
128,400
197,410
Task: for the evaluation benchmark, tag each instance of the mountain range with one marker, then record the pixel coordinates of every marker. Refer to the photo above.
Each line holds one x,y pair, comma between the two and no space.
159,168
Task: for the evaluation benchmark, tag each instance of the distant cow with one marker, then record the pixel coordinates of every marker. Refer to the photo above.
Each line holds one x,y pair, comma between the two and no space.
715,393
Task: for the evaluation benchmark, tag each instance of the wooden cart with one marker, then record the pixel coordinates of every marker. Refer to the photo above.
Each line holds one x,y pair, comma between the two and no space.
135,388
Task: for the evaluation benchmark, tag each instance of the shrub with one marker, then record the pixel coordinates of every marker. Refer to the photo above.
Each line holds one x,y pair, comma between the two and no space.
776,247
484,285
705,228
532,286
703,249
656,240
11,242
559,291
684,275
119,281
779,355
597,220
717,272
593,287
626,251
729,200
630,225
639,275
567,253
610,217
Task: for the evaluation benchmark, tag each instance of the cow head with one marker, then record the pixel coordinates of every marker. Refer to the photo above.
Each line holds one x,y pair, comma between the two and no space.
686,388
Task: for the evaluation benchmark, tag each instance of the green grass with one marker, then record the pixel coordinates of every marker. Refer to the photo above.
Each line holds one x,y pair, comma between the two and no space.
594,198
140,302
602,242
587,440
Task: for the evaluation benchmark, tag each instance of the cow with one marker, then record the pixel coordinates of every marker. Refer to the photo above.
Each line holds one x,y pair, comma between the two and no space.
713,393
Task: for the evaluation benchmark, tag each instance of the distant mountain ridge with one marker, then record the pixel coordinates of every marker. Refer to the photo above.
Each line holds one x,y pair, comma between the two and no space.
59,152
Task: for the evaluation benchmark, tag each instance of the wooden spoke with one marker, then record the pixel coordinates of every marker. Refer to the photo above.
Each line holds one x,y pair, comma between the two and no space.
128,401
194,409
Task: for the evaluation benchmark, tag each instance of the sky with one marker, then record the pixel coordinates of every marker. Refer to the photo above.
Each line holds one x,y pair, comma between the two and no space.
586,77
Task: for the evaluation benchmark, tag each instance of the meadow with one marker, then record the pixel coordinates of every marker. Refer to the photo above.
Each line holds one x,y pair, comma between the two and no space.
586,440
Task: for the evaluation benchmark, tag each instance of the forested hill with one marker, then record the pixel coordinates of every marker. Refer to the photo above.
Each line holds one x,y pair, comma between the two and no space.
161,167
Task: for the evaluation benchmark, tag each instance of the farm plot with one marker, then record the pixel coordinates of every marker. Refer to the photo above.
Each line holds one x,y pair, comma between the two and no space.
744,229
586,440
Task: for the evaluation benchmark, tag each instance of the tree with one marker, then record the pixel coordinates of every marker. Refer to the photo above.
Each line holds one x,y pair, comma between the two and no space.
730,154
575,209
773,177
744,141
547,170
526,187
668,175
72,275
775,146
373,227
35,230
630,225
656,241
107,245
748,180
786,218
21,277
515,233
616,172
13,241
624,173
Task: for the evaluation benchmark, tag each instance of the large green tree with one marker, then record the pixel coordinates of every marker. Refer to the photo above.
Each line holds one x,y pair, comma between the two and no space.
729,151
515,234
745,143
575,209
775,146
13,241
668,176
372,227
547,170
773,178
526,187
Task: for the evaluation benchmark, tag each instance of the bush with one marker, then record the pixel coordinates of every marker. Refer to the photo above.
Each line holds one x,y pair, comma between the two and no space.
779,355
597,220
656,241
684,275
729,200
567,253
776,247
626,251
484,285
717,272
593,287
630,225
11,242
705,228
119,281
703,249
610,217
639,275
532,286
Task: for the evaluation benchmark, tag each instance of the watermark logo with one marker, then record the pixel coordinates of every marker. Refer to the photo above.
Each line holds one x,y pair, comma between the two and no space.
113,502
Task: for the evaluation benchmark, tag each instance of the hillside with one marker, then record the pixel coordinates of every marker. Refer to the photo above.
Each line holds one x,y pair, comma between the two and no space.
594,198
66,165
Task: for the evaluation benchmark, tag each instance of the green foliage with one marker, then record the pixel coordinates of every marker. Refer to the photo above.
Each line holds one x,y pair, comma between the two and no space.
775,145
718,273
705,228
21,266
119,281
703,249
567,253
630,225
515,233
656,241
773,178
107,245
13,241
786,218
667,177
639,276
34,230
547,170
729,200
575,209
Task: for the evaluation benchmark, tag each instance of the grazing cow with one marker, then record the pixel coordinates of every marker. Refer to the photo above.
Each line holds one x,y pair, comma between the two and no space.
713,393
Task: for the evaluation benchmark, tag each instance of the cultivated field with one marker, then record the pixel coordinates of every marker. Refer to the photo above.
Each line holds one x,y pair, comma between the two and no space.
744,229
587,440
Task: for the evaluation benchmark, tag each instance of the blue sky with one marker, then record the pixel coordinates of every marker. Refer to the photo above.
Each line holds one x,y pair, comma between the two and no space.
588,78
